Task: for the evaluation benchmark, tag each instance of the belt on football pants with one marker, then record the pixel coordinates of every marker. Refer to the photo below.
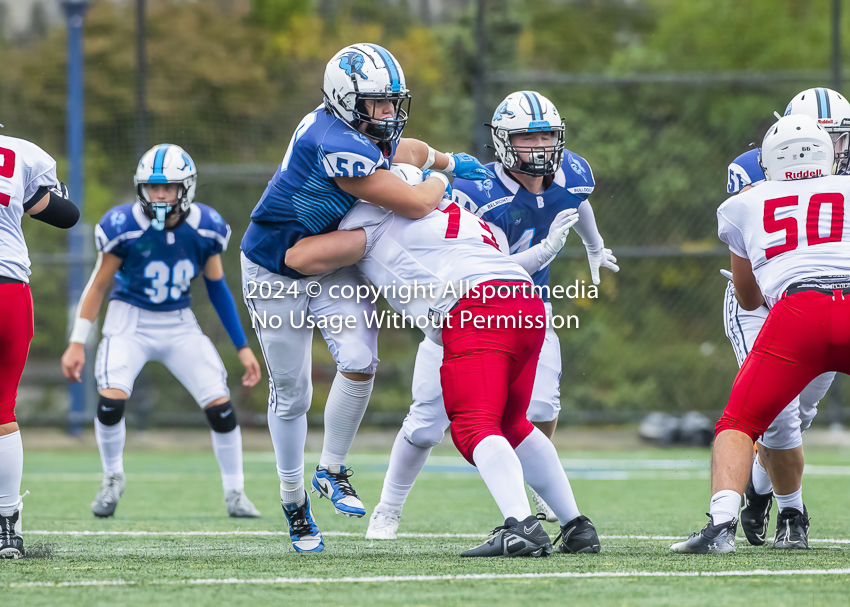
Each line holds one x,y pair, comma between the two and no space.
828,285
8,280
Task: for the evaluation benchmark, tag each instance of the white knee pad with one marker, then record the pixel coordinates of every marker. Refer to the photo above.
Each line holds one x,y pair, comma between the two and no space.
355,357
424,433
289,397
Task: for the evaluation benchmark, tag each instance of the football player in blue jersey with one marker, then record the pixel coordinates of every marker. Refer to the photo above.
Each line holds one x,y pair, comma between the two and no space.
778,466
337,155
538,192
152,249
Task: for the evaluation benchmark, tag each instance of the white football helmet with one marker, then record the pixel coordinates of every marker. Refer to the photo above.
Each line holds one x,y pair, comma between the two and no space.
409,173
523,112
366,71
166,163
832,111
796,147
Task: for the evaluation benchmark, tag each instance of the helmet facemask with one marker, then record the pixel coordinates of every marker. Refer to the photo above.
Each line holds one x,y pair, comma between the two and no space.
380,129
159,212
841,140
542,160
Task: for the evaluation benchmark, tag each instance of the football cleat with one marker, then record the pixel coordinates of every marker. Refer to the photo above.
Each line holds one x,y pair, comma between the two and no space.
543,508
792,529
303,532
11,542
111,490
239,506
335,487
578,537
515,538
713,539
755,515
383,525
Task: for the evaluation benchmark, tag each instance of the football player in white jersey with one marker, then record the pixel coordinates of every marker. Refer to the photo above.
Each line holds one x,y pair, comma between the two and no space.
790,247
778,465
537,181
152,249
450,259
28,185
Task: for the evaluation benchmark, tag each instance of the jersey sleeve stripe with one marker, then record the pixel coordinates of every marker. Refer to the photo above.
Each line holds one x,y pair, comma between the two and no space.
121,238
222,239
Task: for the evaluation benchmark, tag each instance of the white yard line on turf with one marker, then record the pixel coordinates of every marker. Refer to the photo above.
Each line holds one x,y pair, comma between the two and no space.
444,578
262,533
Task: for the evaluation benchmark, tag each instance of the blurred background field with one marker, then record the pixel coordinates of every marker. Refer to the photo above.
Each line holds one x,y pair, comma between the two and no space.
658,95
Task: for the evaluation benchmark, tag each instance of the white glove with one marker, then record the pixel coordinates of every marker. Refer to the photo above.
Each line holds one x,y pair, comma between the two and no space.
601,258
558,231
727,274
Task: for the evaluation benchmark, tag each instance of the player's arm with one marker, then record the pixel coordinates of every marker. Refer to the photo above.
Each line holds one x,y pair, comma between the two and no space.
597,255
326,252
394,194
51,205
747,290
225,306
420,154
101,279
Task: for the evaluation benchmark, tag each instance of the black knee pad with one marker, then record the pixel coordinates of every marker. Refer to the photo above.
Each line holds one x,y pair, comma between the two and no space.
222,418
110,410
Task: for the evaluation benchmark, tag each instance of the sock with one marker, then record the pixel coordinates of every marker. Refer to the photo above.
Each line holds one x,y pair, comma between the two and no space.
110,443
288,438
761,480
406,462
11,471
724,506
501,470
227,447
344,410
543,471
792,500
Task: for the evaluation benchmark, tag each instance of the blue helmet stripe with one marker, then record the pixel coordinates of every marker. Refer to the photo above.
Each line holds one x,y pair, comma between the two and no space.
390,64
159,159
823,103
536,112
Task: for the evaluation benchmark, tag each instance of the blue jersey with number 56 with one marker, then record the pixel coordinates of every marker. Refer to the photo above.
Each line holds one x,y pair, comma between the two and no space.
302,198
745,170
525,218
159,264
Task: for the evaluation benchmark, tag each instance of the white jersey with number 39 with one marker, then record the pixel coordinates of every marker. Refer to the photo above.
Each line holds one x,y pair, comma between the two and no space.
790,230
444,254
24,168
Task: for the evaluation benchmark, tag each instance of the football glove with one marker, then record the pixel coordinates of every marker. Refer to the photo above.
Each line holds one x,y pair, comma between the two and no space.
601,258
432,173
467,167
558,231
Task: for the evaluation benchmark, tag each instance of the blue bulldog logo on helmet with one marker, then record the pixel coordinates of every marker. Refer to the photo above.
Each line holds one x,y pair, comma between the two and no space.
503,109
352,63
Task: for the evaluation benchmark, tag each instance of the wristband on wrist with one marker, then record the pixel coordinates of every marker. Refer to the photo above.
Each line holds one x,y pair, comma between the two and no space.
81,330
432,155
451,167
439,175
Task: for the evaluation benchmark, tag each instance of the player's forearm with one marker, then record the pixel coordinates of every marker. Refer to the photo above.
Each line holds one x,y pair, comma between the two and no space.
586,227
326,252
417,153
425,197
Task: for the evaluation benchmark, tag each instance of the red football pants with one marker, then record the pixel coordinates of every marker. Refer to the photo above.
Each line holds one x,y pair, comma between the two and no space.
805,334
488,373
16,329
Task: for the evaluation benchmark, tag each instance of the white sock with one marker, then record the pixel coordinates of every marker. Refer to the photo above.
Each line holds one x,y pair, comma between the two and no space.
406,462
724,506
761,481
501,470
227,447
110,443
792,500
11,471
288,438
543,471
344,410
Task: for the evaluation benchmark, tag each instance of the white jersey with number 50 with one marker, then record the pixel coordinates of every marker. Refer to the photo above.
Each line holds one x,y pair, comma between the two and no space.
445,253
790,230
24,168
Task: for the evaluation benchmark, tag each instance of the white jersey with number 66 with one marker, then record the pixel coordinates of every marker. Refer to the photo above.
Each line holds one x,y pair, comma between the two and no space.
790,230
447,252
24,168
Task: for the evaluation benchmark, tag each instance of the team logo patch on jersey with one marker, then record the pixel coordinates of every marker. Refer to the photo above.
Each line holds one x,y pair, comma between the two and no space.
485,186
359,137
117,219
352,63
215,216
574,164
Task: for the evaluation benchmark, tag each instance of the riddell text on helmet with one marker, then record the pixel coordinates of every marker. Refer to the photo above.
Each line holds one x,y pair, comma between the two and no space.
804,174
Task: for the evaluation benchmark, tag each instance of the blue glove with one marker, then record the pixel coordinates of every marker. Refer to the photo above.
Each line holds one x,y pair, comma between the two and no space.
431,173
467,167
